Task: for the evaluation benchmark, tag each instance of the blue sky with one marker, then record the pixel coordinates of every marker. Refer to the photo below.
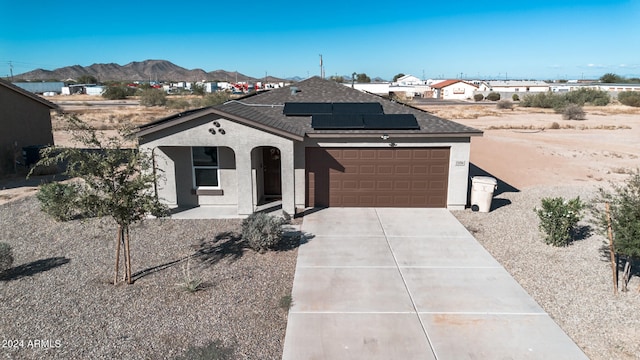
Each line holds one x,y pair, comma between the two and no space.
476,39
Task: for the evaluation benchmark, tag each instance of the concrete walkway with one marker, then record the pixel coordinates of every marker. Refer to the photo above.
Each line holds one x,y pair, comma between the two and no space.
409,284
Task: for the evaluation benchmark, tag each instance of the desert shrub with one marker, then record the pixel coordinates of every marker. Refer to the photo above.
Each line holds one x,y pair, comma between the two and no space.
558,219
624,201
478,97
117,92
6,256
545,100
59,200
515,97
587,96
177,103
262,232
630,98
555,126
216,98
573,112
493,96
505,105
153,97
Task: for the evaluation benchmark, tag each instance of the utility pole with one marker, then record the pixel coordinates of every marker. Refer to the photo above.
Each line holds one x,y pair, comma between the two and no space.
11,70
321,68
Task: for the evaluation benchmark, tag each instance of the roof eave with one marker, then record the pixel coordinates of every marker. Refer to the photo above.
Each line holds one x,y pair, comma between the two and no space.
394,134
180,120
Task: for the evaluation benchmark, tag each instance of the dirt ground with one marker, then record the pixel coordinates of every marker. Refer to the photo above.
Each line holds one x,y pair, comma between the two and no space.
520,146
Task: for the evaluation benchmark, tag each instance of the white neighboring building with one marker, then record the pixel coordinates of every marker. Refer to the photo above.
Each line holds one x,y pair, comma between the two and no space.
514,86
453,90
409,80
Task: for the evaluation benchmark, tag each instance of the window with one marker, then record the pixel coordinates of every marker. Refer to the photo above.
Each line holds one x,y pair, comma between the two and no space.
205,166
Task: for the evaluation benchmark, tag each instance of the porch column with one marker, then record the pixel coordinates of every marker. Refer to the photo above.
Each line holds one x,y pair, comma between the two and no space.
288,179
245,183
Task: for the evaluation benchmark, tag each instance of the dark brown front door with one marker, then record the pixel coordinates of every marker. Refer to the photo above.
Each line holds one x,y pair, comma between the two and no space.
272,171
380,177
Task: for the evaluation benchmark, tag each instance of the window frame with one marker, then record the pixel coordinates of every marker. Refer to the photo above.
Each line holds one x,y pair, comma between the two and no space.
206,167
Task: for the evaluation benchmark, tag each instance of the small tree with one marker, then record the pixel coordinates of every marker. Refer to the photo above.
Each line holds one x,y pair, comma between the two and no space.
624,202
397,76
116,181
363,78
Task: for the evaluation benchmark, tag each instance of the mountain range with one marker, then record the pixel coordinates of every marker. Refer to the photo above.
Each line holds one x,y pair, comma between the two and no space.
148,70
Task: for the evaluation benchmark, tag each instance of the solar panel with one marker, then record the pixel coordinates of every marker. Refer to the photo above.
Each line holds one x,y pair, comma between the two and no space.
306,108
390,122
337,121
357,108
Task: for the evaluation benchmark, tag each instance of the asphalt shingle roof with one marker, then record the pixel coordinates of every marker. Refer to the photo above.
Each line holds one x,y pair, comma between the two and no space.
266,109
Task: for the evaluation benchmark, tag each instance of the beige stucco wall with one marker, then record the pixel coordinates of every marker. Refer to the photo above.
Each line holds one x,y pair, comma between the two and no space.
458,162
239,184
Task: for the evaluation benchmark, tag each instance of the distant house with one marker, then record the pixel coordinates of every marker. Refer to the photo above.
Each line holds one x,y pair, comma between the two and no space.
41,87
514,86
26,121
409,80
453,90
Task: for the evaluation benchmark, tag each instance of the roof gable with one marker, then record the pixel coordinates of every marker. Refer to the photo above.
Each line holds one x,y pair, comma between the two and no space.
266,110
28,94
446,83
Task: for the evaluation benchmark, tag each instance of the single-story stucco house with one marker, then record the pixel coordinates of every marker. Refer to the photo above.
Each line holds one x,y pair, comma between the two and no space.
26,121
316,143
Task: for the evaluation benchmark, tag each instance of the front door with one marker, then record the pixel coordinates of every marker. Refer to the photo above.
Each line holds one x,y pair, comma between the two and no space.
272,172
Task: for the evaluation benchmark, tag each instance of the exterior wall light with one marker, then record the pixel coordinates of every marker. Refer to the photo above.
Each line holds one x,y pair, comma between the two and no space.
384,136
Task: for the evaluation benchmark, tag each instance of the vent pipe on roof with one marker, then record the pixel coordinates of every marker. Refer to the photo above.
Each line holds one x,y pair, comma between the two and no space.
294,90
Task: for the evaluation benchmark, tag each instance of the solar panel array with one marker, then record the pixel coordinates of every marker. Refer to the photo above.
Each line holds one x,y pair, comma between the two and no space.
351,116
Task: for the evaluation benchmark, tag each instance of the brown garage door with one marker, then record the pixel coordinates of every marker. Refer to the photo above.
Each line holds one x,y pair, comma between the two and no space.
381,177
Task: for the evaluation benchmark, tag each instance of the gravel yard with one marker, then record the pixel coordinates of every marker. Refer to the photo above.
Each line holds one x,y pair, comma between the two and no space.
59,292
573,284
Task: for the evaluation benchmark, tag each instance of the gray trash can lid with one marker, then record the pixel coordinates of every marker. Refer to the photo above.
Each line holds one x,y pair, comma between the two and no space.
484,180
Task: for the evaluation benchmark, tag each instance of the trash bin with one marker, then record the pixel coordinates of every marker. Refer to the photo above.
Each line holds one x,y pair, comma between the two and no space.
482,188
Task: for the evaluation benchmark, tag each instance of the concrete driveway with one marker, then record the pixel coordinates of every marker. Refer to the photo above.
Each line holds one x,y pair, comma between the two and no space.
410,284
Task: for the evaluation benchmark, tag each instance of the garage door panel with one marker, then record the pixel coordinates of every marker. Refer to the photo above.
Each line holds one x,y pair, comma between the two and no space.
407,177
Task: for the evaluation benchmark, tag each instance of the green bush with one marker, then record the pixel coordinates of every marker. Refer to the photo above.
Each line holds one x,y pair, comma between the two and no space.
545,100
573,112
558,219
515,97
6,256
59,200
117,92
630,98
478,97
505,105
262,232
153,97
493,96
585,96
